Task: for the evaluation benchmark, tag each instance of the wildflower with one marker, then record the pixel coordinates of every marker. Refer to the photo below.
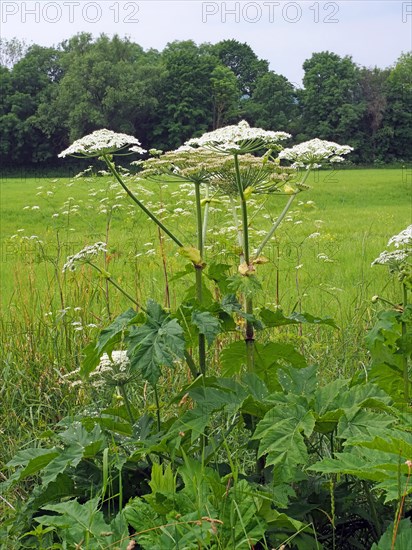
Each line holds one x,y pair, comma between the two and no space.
310,153
113,369
391,258
102,142
402,238
84,256
239,138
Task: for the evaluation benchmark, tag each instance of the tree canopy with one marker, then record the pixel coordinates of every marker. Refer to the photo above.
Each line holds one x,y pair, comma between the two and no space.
51,96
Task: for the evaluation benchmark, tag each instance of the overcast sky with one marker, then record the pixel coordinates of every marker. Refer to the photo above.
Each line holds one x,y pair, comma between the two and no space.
285,33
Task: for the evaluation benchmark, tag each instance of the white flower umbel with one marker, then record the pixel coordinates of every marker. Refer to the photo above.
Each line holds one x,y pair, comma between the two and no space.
402,238
310,154
113,369
392,258
84,256
102,142
238,139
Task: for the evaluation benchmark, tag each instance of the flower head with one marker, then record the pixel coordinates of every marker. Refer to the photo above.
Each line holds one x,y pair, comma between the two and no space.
402,238
113,369
102,142
391,258
84,256
309,154
239,138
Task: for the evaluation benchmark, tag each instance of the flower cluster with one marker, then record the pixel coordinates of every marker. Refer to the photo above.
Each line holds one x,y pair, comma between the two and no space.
84,256
203,165
391,258
113,370
398,261
102,142
402,238
310,154
239,138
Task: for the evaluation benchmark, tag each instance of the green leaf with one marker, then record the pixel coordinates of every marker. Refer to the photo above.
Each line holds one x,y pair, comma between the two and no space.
159,342
31,461
277,318
280,436
90,441
399,445
233,358
363,423
113,333
403,539
369,464
269,358
382,339
191,296
207,324
299,381
188,270
162,479
249,286
107,341
219,274
82,522
61,487
70,456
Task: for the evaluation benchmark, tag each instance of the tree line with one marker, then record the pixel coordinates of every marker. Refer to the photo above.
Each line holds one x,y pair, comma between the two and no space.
52,96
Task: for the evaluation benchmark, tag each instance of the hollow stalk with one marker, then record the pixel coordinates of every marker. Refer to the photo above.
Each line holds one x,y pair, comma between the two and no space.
404,356
249,332
199,277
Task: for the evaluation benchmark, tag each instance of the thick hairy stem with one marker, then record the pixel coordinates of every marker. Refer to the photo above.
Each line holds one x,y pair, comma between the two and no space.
249,333
201,338
116,174
243,205
404,356
205,216
199,277
238,227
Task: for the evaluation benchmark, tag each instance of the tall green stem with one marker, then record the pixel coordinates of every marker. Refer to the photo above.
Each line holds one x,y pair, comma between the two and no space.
249,332
238,228
205,216
116,174
199,278
404,356
243,205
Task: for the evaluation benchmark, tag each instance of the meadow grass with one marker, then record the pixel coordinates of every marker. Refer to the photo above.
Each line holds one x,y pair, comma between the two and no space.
319,262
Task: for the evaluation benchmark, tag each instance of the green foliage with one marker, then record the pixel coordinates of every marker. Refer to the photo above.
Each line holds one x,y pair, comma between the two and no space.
389,348
403,539
159,342
78,524
54,95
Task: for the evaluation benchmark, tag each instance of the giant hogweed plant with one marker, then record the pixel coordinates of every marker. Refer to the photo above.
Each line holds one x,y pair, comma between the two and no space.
260,455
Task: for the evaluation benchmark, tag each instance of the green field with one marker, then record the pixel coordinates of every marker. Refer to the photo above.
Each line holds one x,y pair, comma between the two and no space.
319,262
333,240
